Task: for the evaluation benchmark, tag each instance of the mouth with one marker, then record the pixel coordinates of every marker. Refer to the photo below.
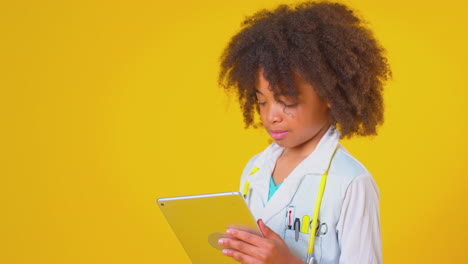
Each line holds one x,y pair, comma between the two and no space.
278,134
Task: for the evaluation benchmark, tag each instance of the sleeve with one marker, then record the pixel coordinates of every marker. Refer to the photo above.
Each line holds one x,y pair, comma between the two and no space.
359,223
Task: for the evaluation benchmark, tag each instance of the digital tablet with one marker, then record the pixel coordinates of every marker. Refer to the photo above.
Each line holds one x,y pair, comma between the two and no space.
199,221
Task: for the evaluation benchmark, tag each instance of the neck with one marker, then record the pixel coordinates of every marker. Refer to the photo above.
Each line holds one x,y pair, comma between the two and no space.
309,146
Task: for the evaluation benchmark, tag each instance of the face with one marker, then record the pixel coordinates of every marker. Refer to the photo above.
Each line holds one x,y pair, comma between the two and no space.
293,125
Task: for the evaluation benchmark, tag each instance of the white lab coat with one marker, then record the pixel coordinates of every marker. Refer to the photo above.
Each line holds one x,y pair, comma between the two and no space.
349,214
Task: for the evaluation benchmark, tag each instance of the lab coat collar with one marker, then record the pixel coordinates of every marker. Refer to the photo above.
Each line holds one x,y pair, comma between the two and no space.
315,164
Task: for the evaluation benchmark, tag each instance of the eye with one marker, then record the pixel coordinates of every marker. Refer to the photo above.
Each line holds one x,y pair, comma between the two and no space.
260,102
288,102
288,105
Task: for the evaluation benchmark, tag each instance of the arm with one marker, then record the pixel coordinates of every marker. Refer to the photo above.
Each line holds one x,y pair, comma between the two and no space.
359,223
249,248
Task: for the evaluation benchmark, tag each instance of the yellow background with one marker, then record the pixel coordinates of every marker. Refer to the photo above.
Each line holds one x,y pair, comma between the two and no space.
107,105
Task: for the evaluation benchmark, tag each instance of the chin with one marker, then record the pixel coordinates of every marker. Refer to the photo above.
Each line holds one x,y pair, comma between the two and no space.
283,143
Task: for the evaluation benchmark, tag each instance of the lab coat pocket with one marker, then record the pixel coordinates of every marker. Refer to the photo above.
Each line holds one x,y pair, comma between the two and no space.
299,247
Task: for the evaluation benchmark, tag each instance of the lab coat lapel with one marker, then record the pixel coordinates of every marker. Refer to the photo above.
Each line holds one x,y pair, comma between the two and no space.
316,164
260,179
283,196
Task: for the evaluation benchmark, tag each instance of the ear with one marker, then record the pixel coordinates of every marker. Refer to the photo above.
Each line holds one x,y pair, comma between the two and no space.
328,104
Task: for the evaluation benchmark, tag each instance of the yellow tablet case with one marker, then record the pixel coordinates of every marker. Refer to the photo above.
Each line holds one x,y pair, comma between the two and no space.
199,221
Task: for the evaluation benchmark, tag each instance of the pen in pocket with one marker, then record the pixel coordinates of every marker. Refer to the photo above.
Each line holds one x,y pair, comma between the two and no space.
297,227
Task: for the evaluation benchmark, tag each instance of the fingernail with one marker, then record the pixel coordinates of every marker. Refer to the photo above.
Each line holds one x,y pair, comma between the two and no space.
225,252
230,232
221,241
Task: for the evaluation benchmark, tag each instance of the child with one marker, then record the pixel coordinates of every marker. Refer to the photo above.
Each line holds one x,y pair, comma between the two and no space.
315,74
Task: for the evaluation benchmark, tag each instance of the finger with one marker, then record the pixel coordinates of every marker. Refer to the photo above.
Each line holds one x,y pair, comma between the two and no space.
239,256
246,237
238,245
267,232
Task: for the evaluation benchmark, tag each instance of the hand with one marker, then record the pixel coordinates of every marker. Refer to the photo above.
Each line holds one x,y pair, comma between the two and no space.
249,248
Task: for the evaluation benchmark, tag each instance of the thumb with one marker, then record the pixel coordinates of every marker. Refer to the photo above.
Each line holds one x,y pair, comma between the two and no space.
267,232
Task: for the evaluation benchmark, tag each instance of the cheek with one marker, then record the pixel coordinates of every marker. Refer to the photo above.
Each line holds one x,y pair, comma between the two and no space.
262,115
302,116
311,119
291,113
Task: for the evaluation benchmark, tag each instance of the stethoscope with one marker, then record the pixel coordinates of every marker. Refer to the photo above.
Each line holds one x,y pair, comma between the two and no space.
318,202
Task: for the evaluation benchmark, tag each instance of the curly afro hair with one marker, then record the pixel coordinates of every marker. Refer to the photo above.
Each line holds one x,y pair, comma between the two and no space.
324,42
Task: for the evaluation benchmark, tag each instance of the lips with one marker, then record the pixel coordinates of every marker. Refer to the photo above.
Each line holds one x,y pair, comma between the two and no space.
278,134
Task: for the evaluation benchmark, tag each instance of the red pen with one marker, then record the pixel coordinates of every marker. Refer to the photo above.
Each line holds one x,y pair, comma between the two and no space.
290,217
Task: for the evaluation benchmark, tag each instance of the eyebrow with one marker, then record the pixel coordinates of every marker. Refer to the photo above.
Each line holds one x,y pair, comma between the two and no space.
257,91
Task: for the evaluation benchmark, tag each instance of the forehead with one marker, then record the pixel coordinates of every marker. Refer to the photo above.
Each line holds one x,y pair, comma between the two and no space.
300,85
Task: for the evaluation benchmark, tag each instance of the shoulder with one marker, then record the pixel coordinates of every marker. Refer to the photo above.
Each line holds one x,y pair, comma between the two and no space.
346,165
260,158
346,171
250,164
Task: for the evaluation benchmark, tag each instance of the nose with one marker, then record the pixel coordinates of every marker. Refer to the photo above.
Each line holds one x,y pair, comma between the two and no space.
273,113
